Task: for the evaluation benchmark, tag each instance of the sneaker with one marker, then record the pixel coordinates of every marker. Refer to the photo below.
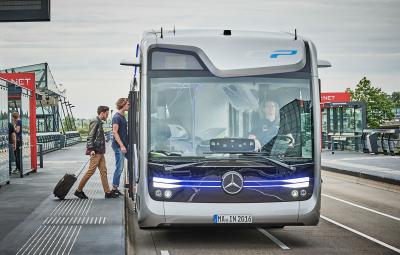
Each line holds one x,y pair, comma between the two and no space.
111,195
15,171
80,194
116,191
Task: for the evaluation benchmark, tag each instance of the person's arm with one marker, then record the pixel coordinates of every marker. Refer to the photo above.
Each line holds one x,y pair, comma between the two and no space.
91,137
257,143
18,127
252,135
117,138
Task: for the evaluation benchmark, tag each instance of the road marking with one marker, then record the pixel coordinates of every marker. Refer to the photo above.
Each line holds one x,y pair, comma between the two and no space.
164,252
42,240
30,243
52,236
65,238
363,207
59,204
88,209
361,234
38,241
273,239
62,231
69,240
57,234
73,243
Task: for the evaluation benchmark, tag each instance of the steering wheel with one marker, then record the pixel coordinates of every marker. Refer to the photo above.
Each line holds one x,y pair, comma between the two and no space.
286,138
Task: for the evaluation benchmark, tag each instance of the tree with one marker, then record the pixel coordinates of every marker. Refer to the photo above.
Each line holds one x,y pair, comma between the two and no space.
68,123
396,98
379,104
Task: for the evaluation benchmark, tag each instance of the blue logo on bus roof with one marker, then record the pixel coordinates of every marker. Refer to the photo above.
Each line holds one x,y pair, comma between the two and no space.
278,53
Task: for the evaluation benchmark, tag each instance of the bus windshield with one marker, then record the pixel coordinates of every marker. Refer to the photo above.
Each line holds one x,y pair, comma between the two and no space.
187,112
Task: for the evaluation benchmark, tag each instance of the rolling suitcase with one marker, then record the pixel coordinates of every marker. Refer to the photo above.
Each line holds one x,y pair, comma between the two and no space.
65,184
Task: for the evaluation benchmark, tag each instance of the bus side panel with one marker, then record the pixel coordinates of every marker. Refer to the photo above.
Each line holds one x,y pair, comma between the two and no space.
150,212
309,210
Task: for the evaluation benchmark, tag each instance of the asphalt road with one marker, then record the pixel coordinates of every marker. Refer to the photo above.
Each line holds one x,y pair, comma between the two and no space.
357,217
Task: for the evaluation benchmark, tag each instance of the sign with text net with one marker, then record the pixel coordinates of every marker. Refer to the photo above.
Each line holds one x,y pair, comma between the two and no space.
335,97
24,10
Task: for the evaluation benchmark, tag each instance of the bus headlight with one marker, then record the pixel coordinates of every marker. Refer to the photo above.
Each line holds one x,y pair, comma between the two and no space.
168,193
295,193
303,192
158,193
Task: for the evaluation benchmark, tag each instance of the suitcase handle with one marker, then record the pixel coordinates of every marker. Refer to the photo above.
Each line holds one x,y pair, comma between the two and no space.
83,167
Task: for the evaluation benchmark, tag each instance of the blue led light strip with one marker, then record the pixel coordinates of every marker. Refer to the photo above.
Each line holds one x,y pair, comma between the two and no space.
175,183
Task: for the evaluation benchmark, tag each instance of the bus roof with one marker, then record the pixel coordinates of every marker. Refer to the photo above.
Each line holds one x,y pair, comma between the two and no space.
229,53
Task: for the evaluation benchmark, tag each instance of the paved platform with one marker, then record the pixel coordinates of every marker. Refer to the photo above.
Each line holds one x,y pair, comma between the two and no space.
33,221
376,167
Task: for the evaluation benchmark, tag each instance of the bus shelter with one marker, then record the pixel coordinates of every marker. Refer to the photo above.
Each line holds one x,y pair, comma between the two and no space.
343,121
55,123
19,100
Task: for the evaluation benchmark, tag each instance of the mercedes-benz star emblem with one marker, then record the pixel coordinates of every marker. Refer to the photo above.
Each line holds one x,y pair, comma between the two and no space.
232,182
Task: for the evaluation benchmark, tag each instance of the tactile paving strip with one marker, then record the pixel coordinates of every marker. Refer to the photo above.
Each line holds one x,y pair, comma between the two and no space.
58,232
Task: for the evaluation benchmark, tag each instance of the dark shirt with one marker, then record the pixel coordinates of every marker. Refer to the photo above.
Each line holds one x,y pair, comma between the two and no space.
265,130
19,134
122,129
11,130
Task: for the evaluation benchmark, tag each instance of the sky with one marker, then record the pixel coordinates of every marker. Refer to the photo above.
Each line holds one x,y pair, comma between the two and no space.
86,39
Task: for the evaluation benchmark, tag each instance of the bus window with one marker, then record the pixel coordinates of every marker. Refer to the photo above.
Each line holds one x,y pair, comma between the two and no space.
186,112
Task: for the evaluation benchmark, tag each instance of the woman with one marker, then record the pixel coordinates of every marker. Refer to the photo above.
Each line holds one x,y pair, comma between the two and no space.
17,123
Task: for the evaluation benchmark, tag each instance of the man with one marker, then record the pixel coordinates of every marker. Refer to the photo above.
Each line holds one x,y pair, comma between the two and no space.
267,125
96,148
17,122
12,143
120,140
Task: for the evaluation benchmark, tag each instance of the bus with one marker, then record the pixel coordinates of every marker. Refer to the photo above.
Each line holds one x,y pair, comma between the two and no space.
224,129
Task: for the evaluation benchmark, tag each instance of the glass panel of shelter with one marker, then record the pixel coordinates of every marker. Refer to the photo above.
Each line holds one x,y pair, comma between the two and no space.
342,126
4,154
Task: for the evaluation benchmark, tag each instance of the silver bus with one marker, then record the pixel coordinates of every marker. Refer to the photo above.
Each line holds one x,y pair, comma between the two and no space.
224,128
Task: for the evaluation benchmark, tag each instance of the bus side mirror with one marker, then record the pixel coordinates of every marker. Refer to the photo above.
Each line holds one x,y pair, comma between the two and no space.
324,63
130,62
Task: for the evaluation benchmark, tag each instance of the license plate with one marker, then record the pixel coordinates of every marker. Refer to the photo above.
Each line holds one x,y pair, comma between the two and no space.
227,218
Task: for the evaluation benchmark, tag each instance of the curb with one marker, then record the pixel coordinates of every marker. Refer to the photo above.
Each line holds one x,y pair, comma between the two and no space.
361,175
129,241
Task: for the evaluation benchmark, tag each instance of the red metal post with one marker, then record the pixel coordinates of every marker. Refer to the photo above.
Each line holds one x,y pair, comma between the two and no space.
27,81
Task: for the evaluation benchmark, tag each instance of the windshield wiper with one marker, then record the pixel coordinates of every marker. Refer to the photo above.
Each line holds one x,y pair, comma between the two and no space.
271,160
176,167
277,162
257,154
166,153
